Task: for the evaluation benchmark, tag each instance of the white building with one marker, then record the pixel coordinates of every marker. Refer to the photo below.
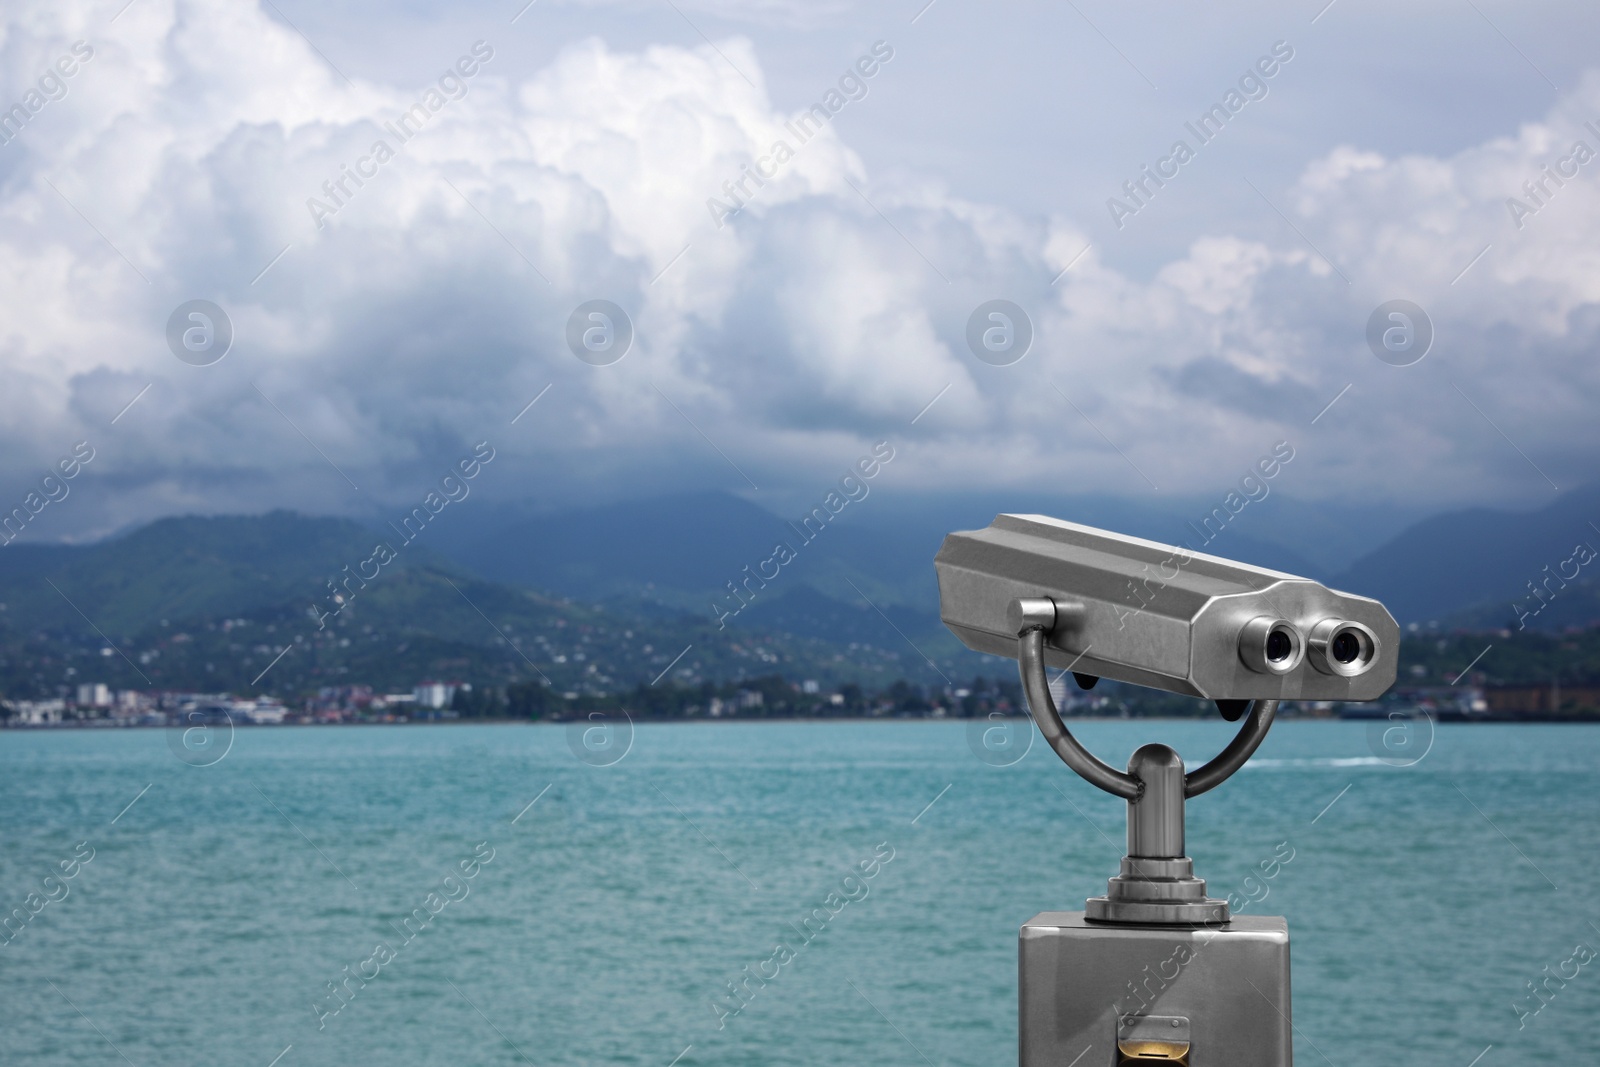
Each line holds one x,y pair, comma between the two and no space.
38,712
94,695
262,711
434,694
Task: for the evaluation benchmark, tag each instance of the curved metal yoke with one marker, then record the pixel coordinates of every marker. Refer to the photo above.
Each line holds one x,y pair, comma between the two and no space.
1156,883
1036,617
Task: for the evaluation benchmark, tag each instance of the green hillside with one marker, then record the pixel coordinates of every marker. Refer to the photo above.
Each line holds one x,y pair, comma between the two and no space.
186,568
209,604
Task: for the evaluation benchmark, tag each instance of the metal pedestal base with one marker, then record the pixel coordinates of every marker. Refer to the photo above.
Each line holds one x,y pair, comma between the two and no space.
1097,995
1157,891
1154,972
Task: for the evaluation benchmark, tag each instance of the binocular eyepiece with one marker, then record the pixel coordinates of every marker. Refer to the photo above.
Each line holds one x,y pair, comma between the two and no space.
1162,616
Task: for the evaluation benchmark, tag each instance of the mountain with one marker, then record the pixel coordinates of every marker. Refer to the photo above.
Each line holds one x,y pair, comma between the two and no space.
181,567
683,547
1476,563
1569,606
683,550
1464,567
608,598
244,604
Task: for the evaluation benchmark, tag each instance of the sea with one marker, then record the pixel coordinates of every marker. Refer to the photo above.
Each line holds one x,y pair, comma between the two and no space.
586,893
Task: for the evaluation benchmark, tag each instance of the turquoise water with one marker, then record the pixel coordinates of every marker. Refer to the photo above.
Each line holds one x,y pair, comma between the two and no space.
616,908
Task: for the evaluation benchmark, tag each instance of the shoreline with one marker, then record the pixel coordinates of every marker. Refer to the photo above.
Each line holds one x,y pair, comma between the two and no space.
1453,720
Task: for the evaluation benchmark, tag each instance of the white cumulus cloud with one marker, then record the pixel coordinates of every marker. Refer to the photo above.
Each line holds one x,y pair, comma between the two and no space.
421,307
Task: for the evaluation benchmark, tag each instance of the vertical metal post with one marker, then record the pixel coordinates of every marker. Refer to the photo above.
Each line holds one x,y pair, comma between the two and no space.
1155,816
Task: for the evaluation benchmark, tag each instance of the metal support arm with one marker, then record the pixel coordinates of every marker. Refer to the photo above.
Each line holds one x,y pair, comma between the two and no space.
1238,752
1157,883
1036,620
1036,687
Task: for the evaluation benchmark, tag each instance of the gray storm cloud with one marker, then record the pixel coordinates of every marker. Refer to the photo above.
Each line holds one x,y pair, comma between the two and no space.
383,323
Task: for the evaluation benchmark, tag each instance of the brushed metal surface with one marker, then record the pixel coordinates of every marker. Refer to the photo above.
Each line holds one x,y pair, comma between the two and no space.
1155,818
1151,614
1154,785
1079,983
1157,882
1036,690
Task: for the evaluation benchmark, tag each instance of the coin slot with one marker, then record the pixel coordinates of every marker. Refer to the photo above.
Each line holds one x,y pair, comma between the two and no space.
1146,1039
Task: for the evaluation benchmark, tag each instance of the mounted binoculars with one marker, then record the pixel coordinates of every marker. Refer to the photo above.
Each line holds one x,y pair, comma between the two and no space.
1095,984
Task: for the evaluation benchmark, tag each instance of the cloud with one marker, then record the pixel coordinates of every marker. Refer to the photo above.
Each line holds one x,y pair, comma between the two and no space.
419,309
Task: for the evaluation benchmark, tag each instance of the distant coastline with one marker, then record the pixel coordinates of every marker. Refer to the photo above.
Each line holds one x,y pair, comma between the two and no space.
1376,714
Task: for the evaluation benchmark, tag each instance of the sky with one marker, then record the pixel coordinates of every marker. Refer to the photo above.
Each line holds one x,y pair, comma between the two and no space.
917,162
